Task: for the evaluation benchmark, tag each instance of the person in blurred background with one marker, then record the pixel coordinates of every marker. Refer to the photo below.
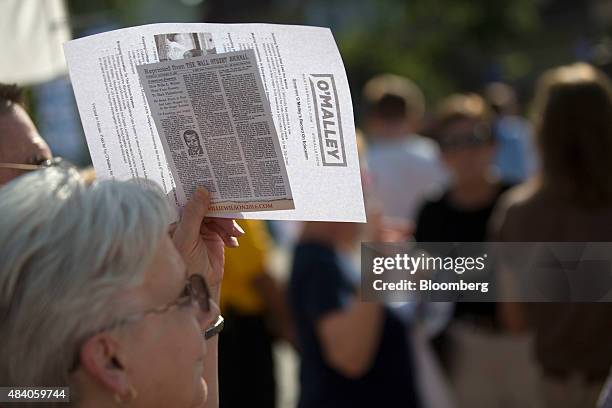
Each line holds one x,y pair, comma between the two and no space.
571,200
20,142
605,399
467,143
353,353
404,166
474,347
96,295
256,313
515,157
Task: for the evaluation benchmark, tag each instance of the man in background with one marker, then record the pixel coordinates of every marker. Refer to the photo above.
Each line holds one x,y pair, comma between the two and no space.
20,142
515,158
404,166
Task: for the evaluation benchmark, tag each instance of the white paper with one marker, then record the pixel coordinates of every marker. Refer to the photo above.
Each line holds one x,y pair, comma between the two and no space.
304,80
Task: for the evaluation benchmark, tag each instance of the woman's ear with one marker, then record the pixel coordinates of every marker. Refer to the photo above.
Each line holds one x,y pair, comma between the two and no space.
100,358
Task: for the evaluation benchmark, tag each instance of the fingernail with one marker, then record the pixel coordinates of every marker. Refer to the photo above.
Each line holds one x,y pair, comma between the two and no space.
238,228
234,242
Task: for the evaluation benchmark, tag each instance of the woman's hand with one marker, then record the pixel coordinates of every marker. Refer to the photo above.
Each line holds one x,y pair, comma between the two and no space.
201,240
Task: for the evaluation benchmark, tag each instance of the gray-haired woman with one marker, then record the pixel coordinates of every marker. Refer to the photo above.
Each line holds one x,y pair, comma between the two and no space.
96,295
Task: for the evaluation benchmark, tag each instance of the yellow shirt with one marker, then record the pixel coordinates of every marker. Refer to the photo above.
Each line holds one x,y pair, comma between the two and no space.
242,266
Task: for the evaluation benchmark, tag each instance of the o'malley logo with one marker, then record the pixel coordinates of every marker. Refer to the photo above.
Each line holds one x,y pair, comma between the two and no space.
329,126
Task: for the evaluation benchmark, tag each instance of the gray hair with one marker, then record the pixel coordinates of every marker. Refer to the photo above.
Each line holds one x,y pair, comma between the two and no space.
68,250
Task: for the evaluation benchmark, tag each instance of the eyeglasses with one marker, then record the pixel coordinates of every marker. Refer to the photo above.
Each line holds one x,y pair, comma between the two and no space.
55,162
195,292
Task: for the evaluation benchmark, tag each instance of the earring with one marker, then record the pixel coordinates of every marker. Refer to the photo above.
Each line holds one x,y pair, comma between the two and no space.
132,396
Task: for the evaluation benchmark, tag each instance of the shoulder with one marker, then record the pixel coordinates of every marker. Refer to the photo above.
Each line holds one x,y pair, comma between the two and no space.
520,197
425,145
314,251
514,206
310,259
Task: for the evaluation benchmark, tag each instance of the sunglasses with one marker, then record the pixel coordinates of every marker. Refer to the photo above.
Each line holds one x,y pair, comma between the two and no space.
480,136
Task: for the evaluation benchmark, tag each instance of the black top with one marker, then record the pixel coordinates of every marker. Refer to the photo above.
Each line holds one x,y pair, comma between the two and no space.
319,284
442,221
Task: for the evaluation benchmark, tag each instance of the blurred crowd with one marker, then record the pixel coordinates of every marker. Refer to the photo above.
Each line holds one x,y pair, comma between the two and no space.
473,168
476,167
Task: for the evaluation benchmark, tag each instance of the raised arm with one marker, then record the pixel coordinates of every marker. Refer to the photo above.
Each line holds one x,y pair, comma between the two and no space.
201,242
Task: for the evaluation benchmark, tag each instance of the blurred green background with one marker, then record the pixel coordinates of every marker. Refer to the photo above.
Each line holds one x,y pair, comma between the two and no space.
444,45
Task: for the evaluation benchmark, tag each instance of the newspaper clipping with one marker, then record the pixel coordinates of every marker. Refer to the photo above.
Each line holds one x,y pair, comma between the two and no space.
216,104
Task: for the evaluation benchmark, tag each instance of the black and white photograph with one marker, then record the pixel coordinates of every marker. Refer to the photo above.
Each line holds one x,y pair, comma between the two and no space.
192,140
177,46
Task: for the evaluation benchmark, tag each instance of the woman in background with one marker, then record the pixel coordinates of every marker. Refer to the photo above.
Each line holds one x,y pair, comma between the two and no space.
475,345
571,201
353,353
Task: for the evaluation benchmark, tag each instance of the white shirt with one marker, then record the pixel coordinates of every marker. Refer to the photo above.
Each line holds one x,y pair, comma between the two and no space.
404,172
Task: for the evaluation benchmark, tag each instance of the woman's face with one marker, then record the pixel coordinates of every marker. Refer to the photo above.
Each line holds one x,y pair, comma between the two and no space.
466,155
164,353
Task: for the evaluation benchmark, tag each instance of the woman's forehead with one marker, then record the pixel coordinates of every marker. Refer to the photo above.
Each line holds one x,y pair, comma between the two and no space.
167,269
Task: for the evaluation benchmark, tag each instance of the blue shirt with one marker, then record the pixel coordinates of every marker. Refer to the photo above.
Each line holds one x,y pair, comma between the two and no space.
515,157
318,286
